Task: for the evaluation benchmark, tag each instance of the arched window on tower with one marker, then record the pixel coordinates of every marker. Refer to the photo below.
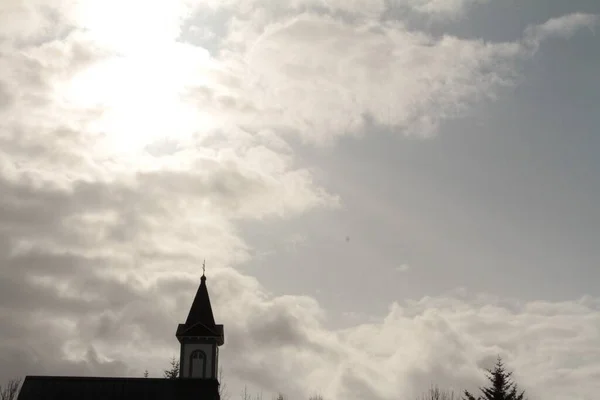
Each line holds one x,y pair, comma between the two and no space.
198,364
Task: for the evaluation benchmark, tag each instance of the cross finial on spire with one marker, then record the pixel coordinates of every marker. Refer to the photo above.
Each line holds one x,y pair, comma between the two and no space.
203,267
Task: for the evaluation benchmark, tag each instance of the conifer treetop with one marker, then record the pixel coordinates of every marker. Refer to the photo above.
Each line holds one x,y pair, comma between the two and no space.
501,386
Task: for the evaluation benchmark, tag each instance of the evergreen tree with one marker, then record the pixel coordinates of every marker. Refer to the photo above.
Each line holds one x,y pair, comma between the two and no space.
173,372
501,386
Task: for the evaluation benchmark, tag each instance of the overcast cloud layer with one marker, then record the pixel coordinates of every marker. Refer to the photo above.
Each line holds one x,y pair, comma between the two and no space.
139,138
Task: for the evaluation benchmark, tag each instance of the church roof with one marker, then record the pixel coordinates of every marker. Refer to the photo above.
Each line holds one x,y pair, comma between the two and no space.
201,310
87,388
200,320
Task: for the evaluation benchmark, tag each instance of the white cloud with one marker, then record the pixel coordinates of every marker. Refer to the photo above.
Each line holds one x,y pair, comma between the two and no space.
439,8
361,9
403,79
250,8
25,20
561,27
324,77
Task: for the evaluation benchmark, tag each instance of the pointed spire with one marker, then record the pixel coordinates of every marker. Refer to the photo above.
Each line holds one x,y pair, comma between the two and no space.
201,310
200,321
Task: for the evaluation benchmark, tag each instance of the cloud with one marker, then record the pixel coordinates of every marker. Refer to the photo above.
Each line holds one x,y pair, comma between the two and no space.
445,340
439,8
353,72
268,10
348,74
23,20
561,27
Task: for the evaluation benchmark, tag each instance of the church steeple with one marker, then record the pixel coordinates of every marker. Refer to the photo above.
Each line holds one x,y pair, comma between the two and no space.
200,338
201,310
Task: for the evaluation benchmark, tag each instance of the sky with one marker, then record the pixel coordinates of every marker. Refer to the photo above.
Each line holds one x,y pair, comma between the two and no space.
387,194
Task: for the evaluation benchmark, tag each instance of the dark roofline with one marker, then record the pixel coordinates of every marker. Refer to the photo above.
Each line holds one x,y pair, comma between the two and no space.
101,378
117,388
89,378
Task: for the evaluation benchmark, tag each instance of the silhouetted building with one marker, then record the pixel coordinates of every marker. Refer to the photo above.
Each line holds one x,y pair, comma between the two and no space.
199,338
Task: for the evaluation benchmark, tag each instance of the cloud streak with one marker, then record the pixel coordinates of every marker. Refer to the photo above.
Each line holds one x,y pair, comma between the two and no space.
562,27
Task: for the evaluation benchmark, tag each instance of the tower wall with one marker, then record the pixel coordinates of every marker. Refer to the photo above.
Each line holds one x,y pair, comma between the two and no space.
210,367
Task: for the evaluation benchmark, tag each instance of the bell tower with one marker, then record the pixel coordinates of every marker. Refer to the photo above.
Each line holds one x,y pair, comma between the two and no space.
200,338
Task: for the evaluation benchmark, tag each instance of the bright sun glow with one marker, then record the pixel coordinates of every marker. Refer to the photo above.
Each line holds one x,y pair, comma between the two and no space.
131,24
141,97
139,94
